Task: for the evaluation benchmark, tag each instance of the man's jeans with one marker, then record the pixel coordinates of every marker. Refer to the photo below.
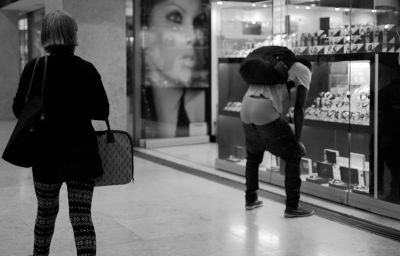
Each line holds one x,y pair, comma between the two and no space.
278,138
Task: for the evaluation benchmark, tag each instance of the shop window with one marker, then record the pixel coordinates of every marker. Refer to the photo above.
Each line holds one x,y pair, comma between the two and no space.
351,116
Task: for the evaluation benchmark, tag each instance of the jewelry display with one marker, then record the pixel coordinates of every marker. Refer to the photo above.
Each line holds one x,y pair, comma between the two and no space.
343,40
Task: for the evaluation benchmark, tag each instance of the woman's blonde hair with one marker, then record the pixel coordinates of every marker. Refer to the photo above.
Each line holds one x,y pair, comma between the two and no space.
59,31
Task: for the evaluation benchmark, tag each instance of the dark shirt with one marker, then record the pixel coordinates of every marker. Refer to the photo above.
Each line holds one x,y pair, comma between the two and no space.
73,96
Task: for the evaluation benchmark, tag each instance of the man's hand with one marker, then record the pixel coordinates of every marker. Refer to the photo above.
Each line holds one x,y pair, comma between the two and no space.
303,150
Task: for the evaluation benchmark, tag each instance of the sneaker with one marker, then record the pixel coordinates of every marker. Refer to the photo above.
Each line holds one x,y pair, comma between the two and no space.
298,212
253,205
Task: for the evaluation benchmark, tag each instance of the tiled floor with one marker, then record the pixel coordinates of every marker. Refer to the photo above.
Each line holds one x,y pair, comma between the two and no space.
167,212
204,154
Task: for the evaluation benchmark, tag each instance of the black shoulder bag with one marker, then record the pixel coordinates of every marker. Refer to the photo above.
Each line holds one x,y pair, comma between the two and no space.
26,142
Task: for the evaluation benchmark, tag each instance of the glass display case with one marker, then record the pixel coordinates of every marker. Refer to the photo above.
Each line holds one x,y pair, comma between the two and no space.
354,50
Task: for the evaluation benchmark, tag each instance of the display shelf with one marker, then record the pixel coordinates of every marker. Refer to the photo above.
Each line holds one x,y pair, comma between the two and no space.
318,123
320,58
230,113
230,59
337,126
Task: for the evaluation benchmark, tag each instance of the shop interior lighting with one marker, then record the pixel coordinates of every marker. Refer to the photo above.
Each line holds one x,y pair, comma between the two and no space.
254,5
265,6
337,9
373,11
297,7
220,2
347,9
308,7
313,5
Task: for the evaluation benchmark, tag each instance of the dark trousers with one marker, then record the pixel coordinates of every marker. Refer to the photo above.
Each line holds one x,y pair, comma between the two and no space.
80,196
278,138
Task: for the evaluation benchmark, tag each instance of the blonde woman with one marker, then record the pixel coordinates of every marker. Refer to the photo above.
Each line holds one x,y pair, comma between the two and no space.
73,96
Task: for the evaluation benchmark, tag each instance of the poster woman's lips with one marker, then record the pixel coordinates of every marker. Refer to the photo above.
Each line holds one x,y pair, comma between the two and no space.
188,61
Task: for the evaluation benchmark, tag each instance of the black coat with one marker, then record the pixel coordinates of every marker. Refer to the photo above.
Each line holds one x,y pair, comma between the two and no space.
73,96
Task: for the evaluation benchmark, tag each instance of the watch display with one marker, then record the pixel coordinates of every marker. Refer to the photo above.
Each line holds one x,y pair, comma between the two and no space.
233,106
337,106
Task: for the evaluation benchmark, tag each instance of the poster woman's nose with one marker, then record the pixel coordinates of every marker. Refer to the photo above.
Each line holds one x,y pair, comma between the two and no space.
190,36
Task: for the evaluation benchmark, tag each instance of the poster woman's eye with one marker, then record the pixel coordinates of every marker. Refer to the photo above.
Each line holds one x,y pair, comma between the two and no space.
175,17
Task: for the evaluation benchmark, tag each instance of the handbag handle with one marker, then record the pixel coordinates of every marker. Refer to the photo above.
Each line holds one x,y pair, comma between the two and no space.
31,80
110,135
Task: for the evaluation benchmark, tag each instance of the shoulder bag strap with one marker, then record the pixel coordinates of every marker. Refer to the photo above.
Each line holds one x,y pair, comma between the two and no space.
31,81
44,78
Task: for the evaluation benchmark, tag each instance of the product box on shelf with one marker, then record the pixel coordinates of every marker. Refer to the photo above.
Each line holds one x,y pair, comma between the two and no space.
336,40
334,32
391,48
355,39
317,50
357,48
320,33
301,50
373,47
338,49
345,30
355,30
329,49
377,36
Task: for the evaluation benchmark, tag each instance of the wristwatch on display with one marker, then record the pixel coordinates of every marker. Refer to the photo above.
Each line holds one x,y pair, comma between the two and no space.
331,114
345,115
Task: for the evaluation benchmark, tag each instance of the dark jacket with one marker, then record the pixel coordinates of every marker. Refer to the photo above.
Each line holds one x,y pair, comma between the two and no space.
73,96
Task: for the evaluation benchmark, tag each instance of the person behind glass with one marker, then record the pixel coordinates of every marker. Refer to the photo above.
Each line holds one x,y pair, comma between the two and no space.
171,30
73,96
389,126
266,129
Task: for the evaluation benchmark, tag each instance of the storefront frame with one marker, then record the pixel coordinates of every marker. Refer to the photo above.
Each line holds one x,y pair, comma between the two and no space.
372,204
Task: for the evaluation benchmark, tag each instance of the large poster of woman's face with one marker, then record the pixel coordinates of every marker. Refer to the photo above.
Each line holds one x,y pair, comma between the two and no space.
176,66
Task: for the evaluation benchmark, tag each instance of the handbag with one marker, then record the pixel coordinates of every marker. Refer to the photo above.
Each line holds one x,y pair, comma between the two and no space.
26,141
116,153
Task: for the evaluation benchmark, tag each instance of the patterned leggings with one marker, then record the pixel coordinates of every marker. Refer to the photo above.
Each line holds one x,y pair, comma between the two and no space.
80,200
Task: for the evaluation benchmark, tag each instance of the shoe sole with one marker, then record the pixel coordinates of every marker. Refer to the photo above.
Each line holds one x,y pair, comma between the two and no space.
287,215
253,207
